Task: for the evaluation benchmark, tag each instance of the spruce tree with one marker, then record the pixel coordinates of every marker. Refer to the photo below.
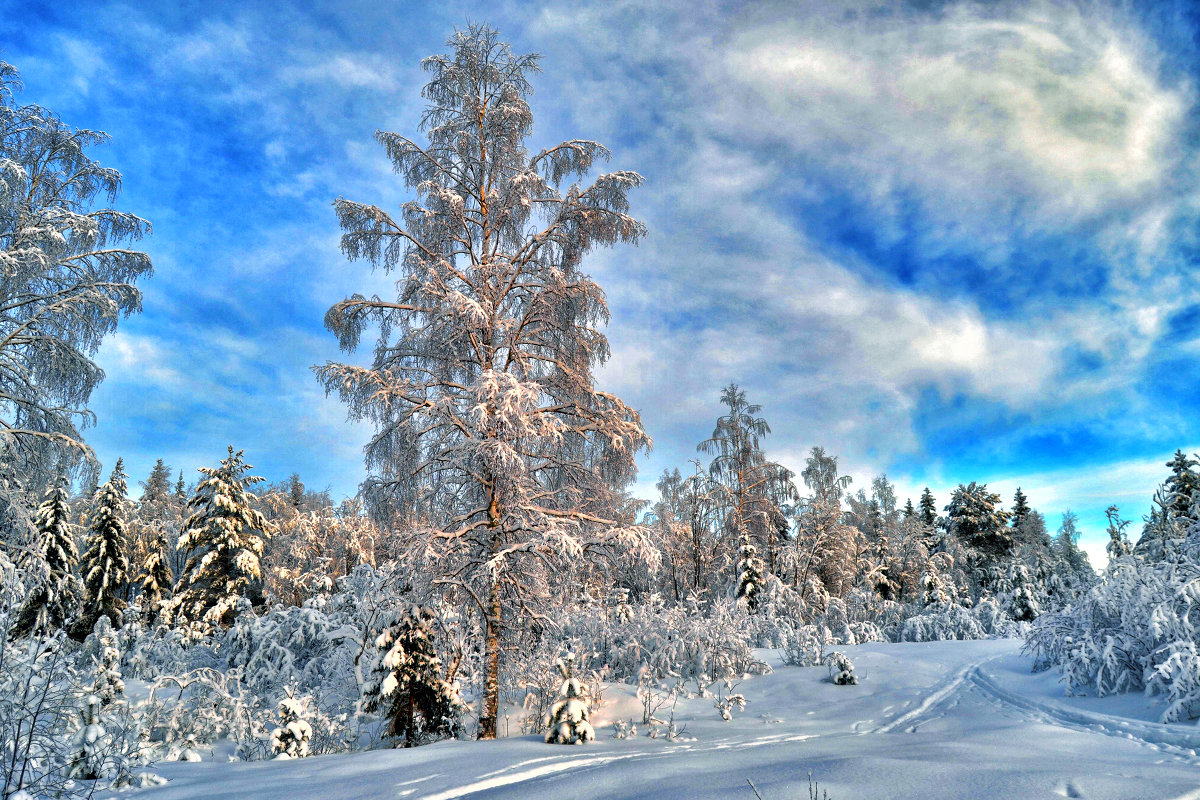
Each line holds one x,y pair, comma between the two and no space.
224,541
1182,487
909,511
976,521
181,490
568,721
928,508
750,572
155,579
406,686
51,603
1021,602
105,563
157,487
1020,509
295,490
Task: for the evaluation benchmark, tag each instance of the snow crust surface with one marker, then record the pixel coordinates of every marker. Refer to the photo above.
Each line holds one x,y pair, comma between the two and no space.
926,720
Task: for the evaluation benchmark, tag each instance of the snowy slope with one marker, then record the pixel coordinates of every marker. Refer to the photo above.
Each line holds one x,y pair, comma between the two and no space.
932,720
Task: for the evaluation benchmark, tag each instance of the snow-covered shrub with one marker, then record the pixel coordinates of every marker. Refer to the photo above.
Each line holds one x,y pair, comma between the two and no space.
185,712
996,621
1135,629
940,623
624,729
804,646
153,651
681,641
56,738
653,696
568,720
40,697
728,700
841,669
304,646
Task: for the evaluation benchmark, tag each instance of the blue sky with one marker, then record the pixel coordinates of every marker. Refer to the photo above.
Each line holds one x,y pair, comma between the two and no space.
947,241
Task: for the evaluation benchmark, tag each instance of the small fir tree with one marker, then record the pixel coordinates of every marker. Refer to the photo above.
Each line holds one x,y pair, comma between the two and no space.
406,686
909,511
841,670
568,720
224,541
52,602
1021,603
933,591
292,738
105,564
295,491
91,742
106,656
750,573
155,580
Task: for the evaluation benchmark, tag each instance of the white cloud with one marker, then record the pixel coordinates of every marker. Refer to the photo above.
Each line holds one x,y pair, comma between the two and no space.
975,107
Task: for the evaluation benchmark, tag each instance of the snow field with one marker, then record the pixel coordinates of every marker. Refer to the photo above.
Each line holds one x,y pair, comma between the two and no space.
930,720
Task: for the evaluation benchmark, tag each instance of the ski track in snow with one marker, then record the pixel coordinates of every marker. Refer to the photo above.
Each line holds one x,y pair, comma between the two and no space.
1175,741
515,774
525,770
922,713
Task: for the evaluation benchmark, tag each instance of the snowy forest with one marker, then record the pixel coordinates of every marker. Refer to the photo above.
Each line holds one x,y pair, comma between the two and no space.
494,577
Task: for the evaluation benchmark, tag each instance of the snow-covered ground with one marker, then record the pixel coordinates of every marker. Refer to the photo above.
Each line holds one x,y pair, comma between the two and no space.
927,721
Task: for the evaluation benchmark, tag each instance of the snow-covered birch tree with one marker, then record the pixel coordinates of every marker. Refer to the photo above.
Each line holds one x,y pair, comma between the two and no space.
489,430
67,275
755,488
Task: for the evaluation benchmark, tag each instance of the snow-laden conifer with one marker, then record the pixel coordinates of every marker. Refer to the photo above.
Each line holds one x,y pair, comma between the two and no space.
90,742
841,670
974,517
292,739
105,564
928,508
750,577
568,721
406,686
490,433
155,580
104,651
1020,597
56,599
224,541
